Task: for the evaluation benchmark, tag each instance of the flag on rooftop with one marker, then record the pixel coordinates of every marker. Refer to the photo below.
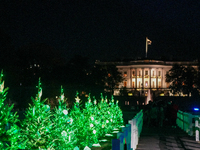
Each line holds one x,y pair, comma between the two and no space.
149,41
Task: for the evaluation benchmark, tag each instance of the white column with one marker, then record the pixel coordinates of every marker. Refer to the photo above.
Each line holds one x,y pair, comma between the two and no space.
156,77
143,77
150,77
162,79
131,86
136,78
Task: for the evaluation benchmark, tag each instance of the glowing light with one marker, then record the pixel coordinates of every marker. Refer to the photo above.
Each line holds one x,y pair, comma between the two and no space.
77,99
196,109
87,148
65,112
64,133
96,145
92,118
94,131
91,125
103,140
108,135
130,94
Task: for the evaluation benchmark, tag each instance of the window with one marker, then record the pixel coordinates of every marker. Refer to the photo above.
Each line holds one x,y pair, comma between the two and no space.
146,73
167,85
153,84
125,83
133,84
159,84
126,102
139,73
159,73
139,84
146,83
153,73
125,73
133,73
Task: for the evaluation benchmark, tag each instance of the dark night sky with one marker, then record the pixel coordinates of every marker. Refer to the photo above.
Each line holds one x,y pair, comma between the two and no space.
106,29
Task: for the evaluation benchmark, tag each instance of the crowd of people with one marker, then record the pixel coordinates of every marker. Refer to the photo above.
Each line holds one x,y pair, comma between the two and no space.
161,113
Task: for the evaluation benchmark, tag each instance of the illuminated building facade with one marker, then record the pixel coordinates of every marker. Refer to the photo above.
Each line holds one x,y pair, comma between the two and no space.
142,75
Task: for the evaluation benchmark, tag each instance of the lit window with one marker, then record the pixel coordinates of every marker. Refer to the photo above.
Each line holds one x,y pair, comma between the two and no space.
146,83
133,84
146,73
109,75
153,73
125,83
153,84
133,74
159,73
125,74
126,102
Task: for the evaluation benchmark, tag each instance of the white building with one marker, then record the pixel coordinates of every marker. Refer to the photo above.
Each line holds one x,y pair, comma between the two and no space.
145,74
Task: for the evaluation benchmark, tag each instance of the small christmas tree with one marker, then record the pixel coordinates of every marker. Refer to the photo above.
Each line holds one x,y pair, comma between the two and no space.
63,129
9,131
90,122
37,125
105,116
78,119
118,115
83,122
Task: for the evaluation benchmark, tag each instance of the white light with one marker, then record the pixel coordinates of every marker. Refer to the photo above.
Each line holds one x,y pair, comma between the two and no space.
86,148
91,125
96,145
64,133
108,135
65,112
92,118
94,131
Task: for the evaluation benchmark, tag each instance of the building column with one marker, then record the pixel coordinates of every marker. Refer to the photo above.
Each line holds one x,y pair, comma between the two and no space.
156,77
162,79
131,86
136,78
150,78
142,77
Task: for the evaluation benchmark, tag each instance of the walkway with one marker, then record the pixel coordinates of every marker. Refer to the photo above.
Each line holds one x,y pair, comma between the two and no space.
166,138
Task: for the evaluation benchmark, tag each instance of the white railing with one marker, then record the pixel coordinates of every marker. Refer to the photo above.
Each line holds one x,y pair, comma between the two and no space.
130,134
197,127
185,122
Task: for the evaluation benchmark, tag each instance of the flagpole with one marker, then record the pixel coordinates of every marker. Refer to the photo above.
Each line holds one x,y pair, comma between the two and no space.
146,47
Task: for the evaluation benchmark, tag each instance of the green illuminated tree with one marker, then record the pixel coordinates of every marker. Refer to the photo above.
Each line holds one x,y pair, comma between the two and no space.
117,115
84,124
37,125
78,119
63,129
105,116
9,131
91,123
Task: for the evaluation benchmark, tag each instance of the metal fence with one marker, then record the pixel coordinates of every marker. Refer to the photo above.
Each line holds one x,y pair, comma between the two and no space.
130,134
189,123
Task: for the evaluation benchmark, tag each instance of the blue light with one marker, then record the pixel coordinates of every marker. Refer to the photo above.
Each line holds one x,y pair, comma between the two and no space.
196,109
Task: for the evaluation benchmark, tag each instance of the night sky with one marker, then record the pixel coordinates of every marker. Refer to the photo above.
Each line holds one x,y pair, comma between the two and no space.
106,29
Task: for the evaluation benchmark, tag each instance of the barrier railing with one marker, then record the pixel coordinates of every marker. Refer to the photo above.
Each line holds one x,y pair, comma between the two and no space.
185,122
130,134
